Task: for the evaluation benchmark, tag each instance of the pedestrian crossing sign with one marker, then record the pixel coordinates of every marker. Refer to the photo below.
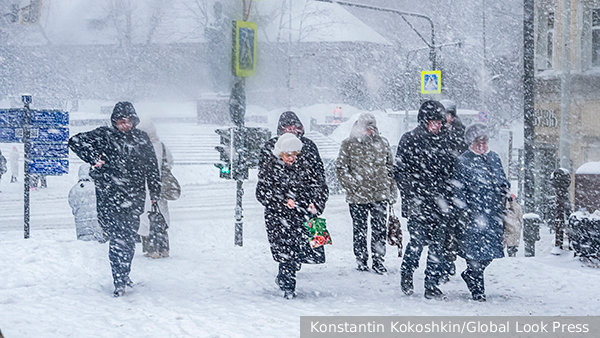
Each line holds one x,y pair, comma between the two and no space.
431,82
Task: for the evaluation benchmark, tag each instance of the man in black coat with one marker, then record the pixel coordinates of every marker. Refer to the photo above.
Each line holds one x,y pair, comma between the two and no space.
422,170
290,123
123,163
455,130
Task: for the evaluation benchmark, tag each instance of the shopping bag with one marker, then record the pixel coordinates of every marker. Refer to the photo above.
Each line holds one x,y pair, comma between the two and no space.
394,231
170,190
156,218
318,233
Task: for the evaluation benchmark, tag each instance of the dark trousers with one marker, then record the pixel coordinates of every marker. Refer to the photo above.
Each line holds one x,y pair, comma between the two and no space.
425,231
473,276
360,215
286,278
512,251
122,228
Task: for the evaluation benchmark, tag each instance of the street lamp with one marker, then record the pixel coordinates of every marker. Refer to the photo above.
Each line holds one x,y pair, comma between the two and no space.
430,45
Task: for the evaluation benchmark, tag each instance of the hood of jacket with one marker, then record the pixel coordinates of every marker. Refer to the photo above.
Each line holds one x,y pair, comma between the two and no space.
289,118
431,110
123,110
84,172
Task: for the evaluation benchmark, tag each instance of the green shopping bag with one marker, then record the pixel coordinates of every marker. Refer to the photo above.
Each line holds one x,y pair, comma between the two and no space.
318,233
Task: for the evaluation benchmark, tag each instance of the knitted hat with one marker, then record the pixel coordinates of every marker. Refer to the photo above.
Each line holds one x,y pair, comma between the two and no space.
287,143
475,131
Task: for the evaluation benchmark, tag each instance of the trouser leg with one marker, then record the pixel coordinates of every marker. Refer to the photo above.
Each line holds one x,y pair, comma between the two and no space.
414,248
512,251
121,249
287,275
436,262
378,230
360,214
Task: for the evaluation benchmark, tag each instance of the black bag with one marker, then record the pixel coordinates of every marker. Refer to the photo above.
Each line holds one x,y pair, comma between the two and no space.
394,236
170,190
156,218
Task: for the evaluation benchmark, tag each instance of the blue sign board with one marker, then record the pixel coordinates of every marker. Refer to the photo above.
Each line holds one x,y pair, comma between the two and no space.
16,117
48,166
59,150
48,136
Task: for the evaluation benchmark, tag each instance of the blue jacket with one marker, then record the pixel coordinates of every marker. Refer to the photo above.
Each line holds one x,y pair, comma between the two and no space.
479,184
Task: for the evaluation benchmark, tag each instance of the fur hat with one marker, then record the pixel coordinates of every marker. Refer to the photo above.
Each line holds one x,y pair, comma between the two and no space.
431,110
475,131
287,143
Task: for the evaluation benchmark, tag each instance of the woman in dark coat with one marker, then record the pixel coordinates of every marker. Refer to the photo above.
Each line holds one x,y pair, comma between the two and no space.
480,187
292,192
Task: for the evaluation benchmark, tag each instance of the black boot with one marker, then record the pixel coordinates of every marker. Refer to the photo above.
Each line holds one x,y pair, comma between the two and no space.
434,293
406,283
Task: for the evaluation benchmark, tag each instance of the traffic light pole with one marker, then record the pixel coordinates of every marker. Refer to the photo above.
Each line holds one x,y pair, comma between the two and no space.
26,147
237,110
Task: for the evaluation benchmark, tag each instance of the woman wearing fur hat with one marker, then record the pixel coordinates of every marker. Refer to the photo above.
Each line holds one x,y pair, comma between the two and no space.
480,187
365,169
292,192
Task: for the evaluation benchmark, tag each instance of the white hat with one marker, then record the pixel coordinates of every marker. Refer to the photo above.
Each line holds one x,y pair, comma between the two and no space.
287,143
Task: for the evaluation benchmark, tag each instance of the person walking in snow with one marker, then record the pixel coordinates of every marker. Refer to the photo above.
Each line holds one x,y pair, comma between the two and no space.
365,169
13,160
455,130
513,223
3,168
292,192
480,187
422,171
290,123
155,242
82,200
123,163
561,181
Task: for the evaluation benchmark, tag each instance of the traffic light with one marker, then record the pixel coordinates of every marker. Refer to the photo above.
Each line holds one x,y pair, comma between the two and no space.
240,150
226,152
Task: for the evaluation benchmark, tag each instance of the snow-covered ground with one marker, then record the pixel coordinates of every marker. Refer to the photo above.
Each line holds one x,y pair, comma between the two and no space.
52,285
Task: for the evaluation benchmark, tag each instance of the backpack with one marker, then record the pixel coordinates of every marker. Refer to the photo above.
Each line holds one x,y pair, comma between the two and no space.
2,165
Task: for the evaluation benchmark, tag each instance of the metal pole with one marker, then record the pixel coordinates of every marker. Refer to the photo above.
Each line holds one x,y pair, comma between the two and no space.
565,88
528,104
239,225
431,45
26,183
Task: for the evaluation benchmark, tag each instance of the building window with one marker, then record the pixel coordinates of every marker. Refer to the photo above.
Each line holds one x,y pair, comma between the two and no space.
545,44
550,41
596,37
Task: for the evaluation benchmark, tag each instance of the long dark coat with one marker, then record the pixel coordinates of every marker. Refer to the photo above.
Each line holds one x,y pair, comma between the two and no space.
479,184
422,170
130,163
278,182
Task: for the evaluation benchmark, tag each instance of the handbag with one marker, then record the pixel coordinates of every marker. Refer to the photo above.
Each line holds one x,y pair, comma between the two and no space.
394,235
318,233
156,218
171,190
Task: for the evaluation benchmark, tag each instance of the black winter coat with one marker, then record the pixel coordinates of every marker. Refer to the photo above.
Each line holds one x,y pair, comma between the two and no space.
278,182
130,164
422,170
456,138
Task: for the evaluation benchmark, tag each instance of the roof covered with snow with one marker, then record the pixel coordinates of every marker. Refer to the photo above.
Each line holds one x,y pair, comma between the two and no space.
80,22
589,168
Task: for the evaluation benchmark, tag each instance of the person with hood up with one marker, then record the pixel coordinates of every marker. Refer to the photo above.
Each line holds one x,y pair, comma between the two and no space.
82,199
480,188
155,242
13,160
123,164
422,171
456,141
291,124
365,169
292,193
